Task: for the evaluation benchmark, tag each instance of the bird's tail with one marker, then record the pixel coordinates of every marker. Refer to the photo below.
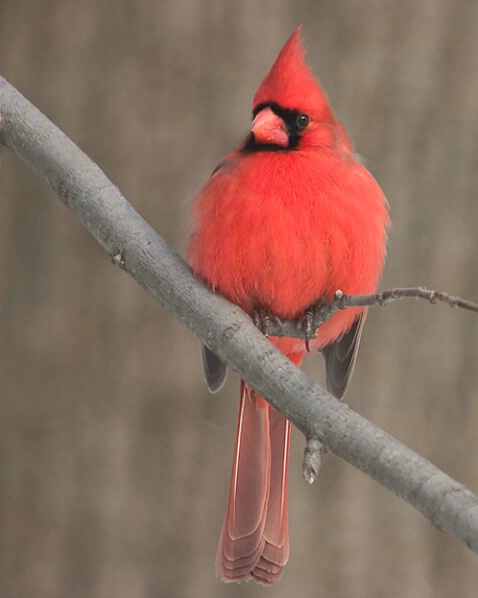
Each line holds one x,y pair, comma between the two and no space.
254,541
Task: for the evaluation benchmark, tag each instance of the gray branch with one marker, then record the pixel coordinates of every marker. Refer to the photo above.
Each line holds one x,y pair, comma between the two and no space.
224,328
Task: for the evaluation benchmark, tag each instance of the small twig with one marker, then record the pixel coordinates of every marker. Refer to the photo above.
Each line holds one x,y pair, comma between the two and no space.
314,449
423,293
323,309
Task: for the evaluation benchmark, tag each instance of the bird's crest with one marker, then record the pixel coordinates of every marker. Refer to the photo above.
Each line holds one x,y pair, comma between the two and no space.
291,84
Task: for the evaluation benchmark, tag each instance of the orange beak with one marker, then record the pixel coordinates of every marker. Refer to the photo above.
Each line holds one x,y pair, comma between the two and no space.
270,129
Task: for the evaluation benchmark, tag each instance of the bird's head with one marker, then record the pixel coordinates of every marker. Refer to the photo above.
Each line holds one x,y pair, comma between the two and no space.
290,109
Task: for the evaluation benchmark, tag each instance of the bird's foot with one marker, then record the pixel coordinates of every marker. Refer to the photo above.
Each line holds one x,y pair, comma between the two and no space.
317,314
262,319
309,320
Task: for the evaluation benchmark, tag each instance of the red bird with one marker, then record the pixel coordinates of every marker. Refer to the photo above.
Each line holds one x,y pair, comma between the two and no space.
289,217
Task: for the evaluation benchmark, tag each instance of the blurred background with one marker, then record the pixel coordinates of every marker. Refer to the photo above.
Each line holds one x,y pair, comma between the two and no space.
115,460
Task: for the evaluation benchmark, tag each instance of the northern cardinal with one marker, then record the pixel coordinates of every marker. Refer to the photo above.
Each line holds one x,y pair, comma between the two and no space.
289,217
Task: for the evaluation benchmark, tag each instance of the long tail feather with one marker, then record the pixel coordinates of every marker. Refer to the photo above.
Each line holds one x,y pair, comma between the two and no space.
276,532
254,539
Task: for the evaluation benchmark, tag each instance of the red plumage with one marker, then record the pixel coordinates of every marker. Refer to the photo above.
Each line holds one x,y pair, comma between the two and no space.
289,217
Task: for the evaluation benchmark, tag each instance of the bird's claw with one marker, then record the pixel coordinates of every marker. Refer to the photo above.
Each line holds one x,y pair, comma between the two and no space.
262,320
307,326
310,318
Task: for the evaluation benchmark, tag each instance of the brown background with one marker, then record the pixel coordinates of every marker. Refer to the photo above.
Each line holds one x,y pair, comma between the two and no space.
114,459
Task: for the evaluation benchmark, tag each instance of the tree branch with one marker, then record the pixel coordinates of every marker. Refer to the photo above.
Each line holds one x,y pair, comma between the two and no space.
224,328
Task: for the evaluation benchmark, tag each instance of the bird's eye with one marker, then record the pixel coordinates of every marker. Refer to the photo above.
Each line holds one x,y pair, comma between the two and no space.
302,121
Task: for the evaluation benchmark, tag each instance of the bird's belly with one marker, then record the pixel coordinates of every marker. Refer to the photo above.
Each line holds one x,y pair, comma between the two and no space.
282,272
264,246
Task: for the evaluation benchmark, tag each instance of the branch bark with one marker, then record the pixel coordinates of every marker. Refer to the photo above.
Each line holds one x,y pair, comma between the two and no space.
224,328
